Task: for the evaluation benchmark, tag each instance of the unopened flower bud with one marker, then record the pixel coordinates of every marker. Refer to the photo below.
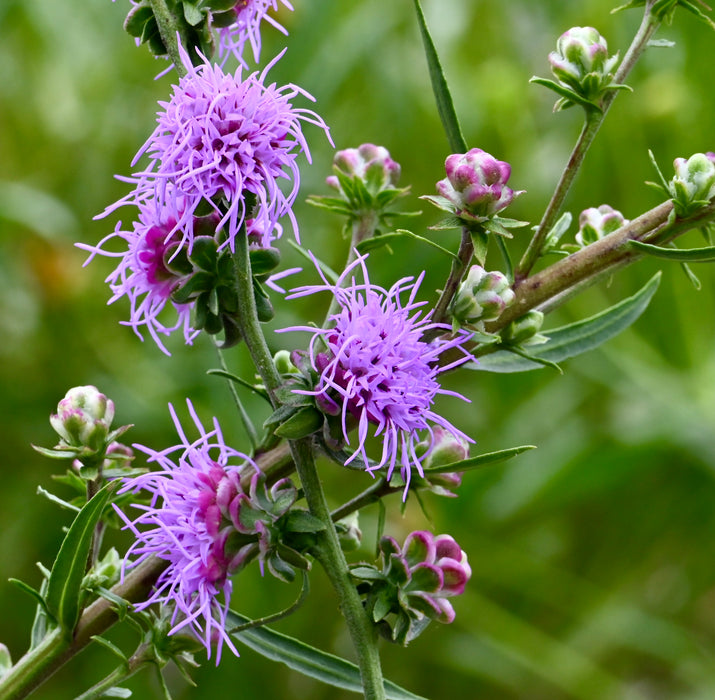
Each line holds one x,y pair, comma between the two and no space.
482,296
524,328
447,448
694,181
371,164
476,184
595,223
283,363
581,61
83,417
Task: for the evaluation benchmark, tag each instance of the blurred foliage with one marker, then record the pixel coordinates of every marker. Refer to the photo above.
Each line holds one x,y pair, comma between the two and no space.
591,555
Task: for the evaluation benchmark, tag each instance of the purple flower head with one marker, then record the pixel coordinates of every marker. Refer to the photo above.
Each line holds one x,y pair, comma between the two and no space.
145,274
476,184
219,139
376,368
188,523
246,29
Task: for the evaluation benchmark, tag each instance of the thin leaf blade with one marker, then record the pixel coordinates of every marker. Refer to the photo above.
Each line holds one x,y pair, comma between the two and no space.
308,660
443,97
63,589
576,338
480,460
676,254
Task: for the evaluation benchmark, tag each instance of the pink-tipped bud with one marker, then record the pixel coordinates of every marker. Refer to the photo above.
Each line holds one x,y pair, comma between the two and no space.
476,184
83,417
595,223
482,296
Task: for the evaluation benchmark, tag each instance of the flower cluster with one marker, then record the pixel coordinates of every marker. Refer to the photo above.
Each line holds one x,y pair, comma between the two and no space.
481,297
414,583
190,521
221,148
376,368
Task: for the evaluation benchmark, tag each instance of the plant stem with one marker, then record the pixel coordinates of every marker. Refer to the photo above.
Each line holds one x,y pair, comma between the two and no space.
168,30
593,122
55,650
364,227
607,254
372,494
328,550
464,257
141,657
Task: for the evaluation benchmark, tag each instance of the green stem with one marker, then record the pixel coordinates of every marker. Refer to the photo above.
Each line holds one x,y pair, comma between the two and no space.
55,649
370,495
593,122
141,657
364,227
459,266
330,554
606,255
328,550
168,30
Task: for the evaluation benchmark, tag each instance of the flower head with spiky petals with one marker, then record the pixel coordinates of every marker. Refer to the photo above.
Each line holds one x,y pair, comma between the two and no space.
375,366
224,142
145,274
247,27
188,523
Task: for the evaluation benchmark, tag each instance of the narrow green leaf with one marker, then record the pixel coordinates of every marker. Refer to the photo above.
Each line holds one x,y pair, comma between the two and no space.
232,377
480,460
445,106
576,338
690,256
63,589
329,273
308,660
385,238
27,588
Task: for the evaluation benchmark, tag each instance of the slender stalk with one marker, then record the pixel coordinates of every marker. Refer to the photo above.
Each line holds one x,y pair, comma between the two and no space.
169,29
330,555
363,228
464,257
55,650
593,122
607,254
372,494
328,550
141,657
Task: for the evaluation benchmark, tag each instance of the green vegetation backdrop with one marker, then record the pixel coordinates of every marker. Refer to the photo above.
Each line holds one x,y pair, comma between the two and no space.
593,555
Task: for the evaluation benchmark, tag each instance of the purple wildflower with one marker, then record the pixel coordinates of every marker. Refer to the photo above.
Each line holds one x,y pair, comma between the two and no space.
190,518
143,275
247,27
219,138
377,368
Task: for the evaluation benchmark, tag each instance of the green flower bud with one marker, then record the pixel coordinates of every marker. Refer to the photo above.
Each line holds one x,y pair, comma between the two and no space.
482,296
581,62
369,163
595,223
524,328
282,361
349,532
694,183
83,418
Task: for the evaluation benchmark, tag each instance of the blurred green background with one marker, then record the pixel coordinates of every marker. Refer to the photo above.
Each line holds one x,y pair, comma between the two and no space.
593,555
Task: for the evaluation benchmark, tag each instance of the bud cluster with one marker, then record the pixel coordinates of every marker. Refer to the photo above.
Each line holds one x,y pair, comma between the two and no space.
481,297
597,222
475,185
414,583
693,185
